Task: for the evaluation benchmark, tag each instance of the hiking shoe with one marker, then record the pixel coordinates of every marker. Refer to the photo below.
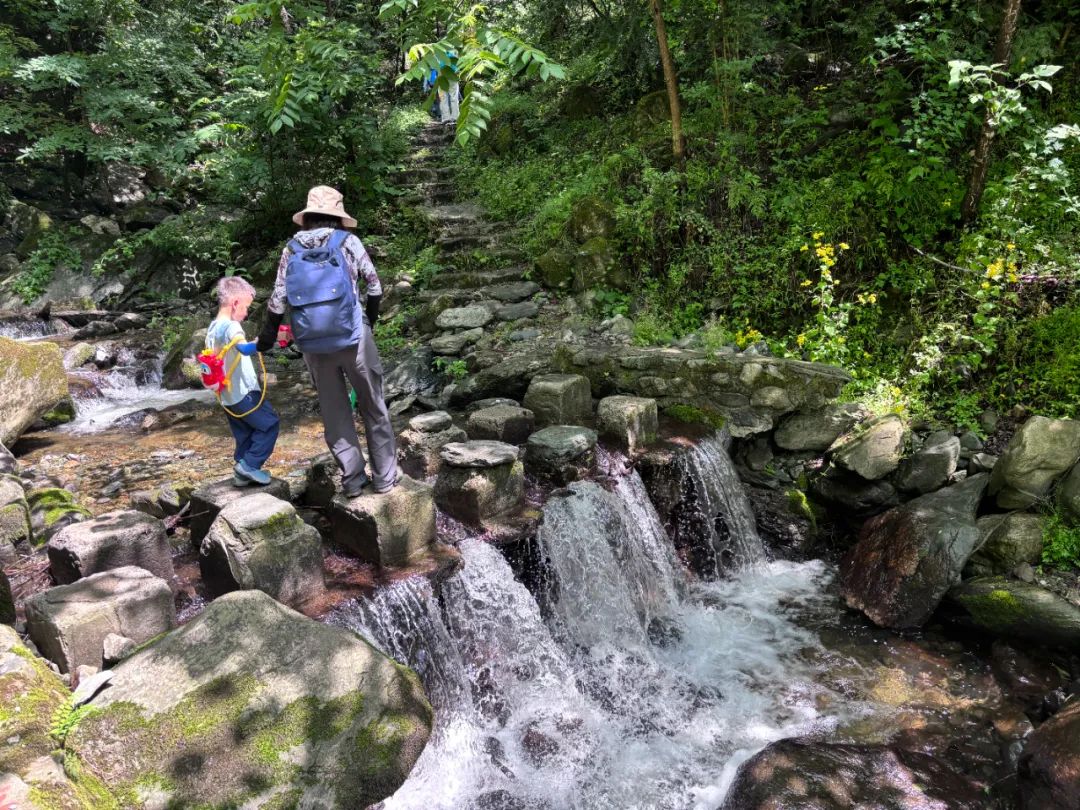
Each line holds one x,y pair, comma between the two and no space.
237,481
387,487
356,487
250,474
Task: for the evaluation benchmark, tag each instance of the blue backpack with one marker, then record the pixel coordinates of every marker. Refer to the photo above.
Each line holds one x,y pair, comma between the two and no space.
326,315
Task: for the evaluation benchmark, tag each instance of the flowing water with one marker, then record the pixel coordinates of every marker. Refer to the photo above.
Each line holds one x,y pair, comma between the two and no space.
634,688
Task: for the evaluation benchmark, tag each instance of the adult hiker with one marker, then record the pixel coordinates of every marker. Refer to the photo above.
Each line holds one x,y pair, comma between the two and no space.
448,99
318,277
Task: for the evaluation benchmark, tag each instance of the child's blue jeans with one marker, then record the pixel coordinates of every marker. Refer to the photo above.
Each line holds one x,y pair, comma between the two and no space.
255,433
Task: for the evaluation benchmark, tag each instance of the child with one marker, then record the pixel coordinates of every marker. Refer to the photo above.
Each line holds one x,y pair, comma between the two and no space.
254,425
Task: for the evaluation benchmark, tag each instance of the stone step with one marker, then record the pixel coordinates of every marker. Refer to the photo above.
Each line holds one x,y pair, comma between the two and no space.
464,241
475,279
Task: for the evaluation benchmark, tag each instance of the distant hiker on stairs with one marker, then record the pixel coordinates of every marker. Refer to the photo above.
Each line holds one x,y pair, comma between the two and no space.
317,276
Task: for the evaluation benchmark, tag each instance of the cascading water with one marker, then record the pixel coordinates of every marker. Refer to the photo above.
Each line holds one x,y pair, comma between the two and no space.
26,329
638,691
721,508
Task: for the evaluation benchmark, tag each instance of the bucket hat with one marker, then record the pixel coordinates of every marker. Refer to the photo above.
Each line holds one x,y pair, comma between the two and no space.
325,200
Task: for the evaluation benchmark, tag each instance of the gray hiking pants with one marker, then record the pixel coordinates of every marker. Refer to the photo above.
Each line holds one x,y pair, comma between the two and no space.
362,366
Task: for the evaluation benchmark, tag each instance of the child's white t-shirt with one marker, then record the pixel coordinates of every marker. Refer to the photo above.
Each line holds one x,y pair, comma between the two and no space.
244,380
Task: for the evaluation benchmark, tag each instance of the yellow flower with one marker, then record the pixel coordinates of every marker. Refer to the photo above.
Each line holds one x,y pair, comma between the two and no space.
873,298
1013,278
818,234
1010,246
806,283
947,204
801,339
844,246
804,248
985,285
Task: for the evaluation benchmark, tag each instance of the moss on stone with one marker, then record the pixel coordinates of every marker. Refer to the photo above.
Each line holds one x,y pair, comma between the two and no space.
996,609
29,696
695,416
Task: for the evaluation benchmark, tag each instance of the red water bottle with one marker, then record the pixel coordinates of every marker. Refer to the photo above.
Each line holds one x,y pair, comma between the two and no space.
284,335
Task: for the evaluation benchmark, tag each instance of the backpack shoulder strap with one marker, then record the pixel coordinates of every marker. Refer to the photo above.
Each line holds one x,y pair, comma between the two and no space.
295,247
337,241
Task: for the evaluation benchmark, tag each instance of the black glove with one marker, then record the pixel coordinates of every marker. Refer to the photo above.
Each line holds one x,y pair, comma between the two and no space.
371,309
268,336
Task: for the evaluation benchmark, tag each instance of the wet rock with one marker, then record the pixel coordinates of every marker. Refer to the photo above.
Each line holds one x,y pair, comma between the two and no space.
32,383
14,515
908,558
260,543
52,509
561,453
930,468
69,623
78,355
556,268
474,316
631,423
209,499
112,540
1023,676
410,376
480,480
1068,496
1008,607
95,329
1007,541
502,423
873,451
453,344
786,522
419,446
323,482
391,530
271,689
1049,767
1040,452
856,494
179,370
799,774
559,399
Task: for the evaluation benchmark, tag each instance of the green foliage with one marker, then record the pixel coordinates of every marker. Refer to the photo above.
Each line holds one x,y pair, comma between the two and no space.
454,369
172,327
694,416
389,334
66,717
1041,362
53,250
1061,543
611,302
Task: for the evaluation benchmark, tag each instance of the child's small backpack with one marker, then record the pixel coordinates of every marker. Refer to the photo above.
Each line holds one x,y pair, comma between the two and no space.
326,315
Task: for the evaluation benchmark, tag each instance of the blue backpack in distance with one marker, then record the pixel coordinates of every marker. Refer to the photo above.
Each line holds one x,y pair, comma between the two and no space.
326,314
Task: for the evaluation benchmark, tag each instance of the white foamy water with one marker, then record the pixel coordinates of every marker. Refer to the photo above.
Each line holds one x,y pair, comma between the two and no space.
122,394
639,690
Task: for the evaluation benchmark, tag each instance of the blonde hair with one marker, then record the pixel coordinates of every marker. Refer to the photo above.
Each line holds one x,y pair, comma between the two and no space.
232,287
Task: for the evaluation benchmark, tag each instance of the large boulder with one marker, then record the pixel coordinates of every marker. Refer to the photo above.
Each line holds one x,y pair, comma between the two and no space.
32,383
501,423
208,500
252,704
874,450
930,468
479,480
69,623
420,443
14,515
1007,541
1040,452
590,217
630,422
907,558
1068,497
559,399
260,542
801,774
32,697
1010,607
1049,767
817,430
561,454
390,530
112,540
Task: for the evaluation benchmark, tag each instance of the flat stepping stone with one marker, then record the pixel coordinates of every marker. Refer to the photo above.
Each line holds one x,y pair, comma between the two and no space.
559,399
208,500
561,453
514,291
112,540
433,422
515,312
630,422
455,343
482,454
503,423
474,316
390,530
491,402
480,278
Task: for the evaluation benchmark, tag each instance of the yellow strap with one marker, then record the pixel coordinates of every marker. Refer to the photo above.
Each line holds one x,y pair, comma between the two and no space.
229,373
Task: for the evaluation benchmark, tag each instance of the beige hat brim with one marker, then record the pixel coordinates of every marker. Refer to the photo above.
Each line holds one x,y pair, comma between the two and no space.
346,220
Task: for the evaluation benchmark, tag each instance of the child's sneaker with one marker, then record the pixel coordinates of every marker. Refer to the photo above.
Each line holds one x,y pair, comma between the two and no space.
237,481
242,470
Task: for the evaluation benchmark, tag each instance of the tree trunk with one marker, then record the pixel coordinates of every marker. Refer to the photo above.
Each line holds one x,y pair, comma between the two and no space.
671,80
981,164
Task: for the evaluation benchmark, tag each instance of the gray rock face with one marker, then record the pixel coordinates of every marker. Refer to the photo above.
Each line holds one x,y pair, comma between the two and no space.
514,291
391,530
434,422
8,465
817,430
260,543
78,354
561,453
930,468
454,344
69,623
515,312
1040,452
1009,607
631,423
32,382
908,558
470,317
559,399
1007,541
113,540
873,452
210,499
486,481
801,773
501,423
1068,496
478,455
14,514
285,706
1047,772
412,375
419,447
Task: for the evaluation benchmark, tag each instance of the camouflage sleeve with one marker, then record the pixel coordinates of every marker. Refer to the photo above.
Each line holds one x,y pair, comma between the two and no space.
277,300
361,265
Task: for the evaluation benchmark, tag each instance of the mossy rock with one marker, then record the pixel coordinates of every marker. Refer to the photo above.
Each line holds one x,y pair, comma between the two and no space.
32,700
652,108
590,217
556,268
1007,607
263,706
32,383
595,266
14,511
63,413
580,101
7,601
51,509
179,370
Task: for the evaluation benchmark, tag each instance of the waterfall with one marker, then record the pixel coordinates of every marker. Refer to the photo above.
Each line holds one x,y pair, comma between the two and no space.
26,328
721,508
639,690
